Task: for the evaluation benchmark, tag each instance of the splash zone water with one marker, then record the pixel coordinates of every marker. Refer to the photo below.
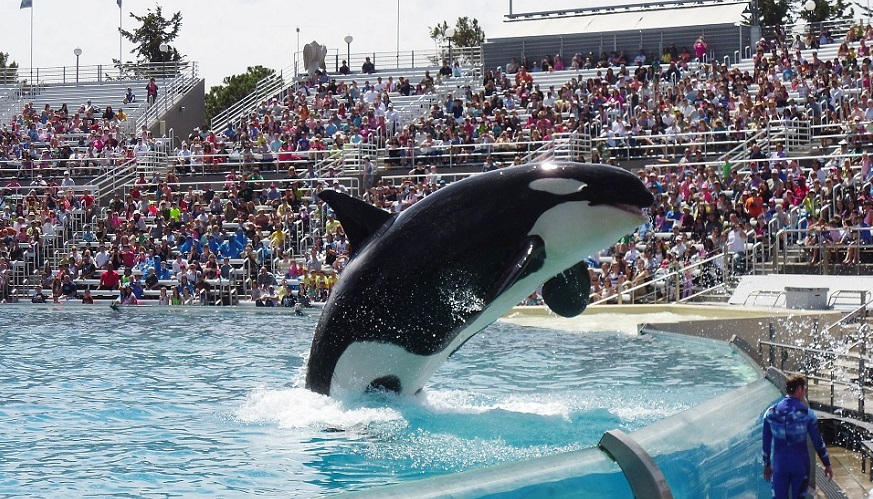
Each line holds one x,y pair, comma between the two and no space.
212,402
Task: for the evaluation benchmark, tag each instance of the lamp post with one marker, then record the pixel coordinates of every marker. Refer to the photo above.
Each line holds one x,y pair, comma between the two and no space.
450,33
809,7
349,39
164,48
297,54
754,22
77,52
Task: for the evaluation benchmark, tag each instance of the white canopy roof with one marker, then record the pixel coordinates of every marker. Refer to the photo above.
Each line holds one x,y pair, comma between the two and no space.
697,15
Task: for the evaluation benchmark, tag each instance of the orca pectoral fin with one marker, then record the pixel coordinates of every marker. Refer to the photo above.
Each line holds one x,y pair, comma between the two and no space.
528,258
567,293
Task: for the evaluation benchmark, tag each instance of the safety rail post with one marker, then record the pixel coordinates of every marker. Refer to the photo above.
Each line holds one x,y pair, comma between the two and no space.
771,356
861,372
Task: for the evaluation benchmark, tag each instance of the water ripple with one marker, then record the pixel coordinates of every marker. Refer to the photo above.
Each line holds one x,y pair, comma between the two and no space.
157,403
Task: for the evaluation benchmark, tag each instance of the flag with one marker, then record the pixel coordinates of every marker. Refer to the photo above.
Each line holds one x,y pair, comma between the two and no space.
119,4
28,4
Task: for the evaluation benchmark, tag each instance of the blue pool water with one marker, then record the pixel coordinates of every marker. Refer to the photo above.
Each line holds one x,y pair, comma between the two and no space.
202,402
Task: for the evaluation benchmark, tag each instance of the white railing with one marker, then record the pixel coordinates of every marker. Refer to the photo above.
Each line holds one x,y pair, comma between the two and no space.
266,88
673,285
117,177
175,89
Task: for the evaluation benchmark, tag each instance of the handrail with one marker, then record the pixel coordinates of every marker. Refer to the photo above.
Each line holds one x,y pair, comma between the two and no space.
666,278
850,316
174,90
265,88
54,75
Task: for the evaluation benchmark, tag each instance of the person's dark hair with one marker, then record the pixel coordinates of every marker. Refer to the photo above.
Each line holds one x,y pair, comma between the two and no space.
794,382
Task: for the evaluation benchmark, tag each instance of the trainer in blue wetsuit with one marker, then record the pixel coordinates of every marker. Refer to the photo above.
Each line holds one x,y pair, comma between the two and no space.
786,425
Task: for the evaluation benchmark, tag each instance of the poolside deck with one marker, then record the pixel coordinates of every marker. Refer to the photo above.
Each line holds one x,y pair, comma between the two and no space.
847,473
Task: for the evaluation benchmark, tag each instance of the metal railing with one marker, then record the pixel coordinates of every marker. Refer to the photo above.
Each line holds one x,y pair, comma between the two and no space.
31,79
836,366
814,249
174,90
266,88
675,285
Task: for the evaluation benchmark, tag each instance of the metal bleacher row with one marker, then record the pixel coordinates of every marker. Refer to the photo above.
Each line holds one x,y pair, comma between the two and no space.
574,146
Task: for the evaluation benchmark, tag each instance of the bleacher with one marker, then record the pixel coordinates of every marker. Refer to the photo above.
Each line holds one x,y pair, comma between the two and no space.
581,144
100,94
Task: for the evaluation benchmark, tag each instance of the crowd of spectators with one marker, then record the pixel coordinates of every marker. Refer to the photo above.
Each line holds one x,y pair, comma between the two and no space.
192,237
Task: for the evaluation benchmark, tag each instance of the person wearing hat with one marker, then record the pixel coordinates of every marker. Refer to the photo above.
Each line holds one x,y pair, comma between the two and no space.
67,181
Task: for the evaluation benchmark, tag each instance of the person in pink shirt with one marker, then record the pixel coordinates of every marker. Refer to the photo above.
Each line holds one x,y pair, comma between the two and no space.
700,48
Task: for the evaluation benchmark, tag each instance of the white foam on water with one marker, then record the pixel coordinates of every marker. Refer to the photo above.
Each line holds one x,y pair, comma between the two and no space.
458,402
302,408
622,323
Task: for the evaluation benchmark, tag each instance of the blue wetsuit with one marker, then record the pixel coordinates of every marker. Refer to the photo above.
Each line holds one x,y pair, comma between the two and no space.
786,425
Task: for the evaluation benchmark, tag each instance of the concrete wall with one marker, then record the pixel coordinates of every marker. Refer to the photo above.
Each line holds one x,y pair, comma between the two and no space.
184,116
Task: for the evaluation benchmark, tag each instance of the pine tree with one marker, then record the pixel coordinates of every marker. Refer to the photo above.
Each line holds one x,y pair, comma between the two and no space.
775,12
827,10
154,30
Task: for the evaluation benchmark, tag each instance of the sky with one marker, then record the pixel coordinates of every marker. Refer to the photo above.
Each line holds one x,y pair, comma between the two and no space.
227,36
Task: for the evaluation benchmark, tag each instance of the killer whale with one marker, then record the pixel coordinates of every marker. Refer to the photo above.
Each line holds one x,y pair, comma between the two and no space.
421,283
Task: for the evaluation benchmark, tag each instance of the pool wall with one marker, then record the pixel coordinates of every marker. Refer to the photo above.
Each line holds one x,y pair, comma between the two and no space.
711,450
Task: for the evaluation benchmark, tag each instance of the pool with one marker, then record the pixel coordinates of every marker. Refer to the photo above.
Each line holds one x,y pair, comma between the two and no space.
210,401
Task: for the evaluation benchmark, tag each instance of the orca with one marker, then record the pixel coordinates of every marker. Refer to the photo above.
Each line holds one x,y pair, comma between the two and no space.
420,283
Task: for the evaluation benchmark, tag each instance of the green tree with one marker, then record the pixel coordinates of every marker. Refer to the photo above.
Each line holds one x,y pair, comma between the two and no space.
827,10
468,33
8,70
234,89
863,11
775,12
154,30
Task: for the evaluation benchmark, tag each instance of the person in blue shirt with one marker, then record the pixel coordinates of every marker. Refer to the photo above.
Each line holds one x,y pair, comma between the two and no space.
231,248
188,244
163,271
786,459
136,287
213,244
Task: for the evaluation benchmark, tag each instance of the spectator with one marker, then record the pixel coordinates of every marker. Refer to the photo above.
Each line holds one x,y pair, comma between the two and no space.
151,91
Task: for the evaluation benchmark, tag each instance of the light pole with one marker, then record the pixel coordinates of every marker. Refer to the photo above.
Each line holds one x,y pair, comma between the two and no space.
77,52
450,33
809,7
754,23
297,54
164,48
348,39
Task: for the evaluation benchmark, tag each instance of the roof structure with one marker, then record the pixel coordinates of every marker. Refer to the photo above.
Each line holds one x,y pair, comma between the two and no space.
648,16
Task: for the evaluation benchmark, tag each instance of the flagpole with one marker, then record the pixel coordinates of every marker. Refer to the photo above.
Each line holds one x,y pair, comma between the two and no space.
119,39
31,44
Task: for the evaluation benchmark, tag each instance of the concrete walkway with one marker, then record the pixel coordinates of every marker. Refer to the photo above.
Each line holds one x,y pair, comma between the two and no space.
847,473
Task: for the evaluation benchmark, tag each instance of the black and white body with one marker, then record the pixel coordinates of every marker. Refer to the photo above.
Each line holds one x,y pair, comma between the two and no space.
422,282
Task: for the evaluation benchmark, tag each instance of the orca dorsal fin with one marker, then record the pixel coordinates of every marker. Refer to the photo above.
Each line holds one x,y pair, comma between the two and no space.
360,220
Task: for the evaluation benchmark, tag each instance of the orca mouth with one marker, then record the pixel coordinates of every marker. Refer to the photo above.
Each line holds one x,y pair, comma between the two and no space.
632,209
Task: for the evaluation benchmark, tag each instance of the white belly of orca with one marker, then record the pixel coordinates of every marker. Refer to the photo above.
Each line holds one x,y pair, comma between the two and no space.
571,232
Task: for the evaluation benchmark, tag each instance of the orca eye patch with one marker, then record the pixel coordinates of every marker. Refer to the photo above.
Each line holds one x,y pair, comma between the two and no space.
558,186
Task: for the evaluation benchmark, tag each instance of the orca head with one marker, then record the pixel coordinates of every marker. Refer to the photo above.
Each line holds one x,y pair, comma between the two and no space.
594,206
598,184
